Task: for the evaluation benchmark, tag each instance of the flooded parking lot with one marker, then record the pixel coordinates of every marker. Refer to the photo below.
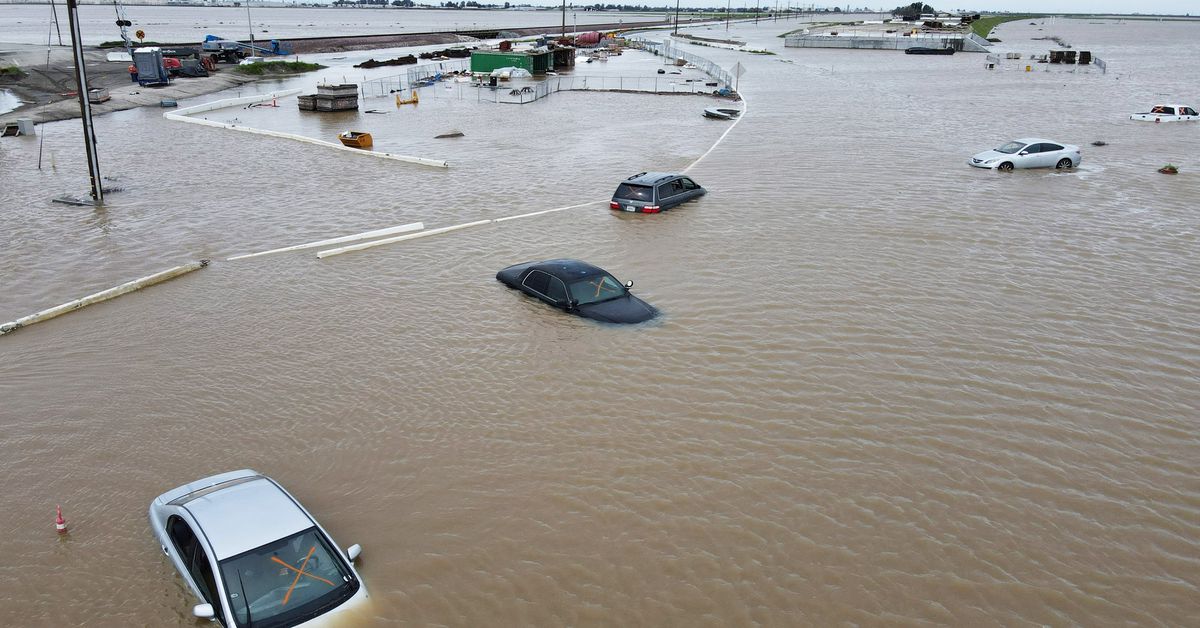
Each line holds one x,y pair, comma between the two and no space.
885,388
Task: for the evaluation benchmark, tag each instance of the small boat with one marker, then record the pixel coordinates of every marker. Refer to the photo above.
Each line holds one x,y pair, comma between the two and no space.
1167,113
919,50
722,113
356,139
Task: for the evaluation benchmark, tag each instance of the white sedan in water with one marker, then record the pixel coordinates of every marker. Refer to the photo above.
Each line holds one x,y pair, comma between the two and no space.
252,554
1028,152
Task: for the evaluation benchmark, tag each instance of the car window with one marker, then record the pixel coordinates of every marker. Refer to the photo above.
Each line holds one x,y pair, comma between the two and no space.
537,281
634,192
1049,148
688,184
1033,148
1011,148
286,581
597,288
1188,111
194,559
557,290
669,189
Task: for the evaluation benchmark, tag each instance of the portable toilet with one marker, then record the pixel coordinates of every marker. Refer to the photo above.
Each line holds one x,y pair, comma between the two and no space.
150,68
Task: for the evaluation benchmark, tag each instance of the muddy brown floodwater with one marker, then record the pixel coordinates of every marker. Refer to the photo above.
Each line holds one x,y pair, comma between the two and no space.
886,388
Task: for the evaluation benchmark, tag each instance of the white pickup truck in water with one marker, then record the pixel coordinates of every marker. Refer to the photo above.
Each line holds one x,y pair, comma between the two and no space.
1167,113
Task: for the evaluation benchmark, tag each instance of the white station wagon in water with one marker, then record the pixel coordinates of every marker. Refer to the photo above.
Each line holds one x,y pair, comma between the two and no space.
1167,113
1029,152
253,556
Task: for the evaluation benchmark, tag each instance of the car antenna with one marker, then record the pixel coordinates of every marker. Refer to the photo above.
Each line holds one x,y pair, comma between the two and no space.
245,600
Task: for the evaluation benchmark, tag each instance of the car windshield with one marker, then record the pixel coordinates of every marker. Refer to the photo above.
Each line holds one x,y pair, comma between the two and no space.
596,288
287,581
1011,148
634,192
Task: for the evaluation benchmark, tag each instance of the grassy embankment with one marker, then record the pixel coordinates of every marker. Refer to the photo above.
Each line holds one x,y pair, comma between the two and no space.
983,26
11,73
277,67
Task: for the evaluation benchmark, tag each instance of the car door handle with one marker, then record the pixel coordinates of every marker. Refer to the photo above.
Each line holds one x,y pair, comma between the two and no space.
165,550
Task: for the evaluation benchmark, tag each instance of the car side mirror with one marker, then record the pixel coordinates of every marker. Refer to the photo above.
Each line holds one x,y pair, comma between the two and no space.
203,611
353,551
629,284
572,304
1024,152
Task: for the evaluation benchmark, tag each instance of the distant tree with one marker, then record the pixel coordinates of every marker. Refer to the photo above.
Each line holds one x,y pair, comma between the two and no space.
913,11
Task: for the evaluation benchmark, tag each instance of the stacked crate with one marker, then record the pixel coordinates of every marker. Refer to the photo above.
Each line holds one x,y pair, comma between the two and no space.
342,97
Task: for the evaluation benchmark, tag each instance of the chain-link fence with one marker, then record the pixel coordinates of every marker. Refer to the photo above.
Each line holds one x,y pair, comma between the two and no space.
423,79
417,76
670,50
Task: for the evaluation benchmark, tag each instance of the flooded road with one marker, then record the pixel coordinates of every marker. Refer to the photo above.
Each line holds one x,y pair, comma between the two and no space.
886,388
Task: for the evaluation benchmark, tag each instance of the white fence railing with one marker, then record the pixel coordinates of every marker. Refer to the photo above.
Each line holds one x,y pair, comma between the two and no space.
670,50
424,79
521,91
415,76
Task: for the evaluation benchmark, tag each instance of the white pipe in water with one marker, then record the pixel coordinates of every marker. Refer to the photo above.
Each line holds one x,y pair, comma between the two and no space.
103,295
366,235
411,236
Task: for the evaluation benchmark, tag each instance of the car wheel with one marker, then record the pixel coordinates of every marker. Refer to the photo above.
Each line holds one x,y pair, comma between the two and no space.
1005,167
1063,163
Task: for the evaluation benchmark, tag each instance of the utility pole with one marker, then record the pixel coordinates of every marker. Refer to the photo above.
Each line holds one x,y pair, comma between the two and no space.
54,10
676,17
564,18
727,3
85,106
251,26
122,22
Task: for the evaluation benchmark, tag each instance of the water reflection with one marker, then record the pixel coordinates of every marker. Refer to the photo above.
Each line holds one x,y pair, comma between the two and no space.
8,101
889,387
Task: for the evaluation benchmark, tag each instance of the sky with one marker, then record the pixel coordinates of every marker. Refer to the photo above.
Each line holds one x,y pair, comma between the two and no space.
1171,7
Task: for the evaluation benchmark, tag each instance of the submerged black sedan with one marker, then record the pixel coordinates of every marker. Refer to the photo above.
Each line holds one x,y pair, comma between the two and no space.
579,288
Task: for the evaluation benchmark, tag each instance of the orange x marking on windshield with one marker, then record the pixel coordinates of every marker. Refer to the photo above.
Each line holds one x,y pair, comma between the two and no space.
599,286
299,572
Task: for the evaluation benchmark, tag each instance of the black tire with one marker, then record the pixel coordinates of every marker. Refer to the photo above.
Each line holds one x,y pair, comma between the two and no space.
1064,163
1005,167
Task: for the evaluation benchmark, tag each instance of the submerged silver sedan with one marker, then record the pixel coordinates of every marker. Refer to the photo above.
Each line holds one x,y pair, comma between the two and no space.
251,554
1029,152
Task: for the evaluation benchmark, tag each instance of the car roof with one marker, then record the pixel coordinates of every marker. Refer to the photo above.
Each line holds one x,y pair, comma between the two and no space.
1037,140
568,269
245,515
650,178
